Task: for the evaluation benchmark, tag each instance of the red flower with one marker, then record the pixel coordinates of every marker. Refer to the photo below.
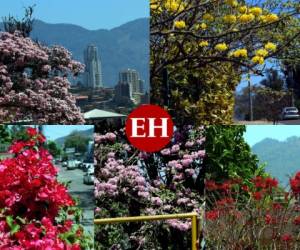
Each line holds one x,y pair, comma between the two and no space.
295,184
212,215
286,237
271,182
211,185
31,132
257,195
297,220
268,219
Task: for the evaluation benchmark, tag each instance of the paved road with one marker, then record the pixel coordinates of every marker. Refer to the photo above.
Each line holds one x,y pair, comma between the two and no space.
85,193
263,122
290,122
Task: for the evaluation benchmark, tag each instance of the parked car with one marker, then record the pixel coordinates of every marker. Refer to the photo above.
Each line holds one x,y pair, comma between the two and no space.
72,164
87,166
64,164
290,113
88,178
77,163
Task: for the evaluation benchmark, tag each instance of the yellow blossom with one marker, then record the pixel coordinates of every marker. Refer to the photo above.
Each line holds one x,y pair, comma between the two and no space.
172,6
261,52
179,24
243,9
270,46
247,18
258,59
256,11
203,43
221,47
229,19
232,3
208,17
203,26
240,53
271,18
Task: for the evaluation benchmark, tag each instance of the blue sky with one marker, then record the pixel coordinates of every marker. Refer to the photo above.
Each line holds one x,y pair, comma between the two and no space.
53,132
256,133
90,14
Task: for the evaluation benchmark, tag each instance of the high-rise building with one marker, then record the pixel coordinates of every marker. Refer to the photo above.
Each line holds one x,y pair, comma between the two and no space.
93,70
136,85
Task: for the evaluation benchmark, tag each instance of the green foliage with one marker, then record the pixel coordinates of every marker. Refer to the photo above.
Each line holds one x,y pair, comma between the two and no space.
25,25
54,149
5,137
18,132
77,141
228,154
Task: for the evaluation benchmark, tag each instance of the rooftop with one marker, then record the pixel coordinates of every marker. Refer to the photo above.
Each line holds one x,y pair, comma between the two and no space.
98,113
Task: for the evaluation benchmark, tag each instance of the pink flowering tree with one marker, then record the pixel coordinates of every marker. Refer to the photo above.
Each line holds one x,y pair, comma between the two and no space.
133,183
36,211
34,82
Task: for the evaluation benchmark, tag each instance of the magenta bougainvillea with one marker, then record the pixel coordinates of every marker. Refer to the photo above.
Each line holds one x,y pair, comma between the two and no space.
133,183
34,82
32,201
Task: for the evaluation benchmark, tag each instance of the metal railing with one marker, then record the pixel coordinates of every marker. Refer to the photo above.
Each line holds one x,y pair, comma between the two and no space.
192,216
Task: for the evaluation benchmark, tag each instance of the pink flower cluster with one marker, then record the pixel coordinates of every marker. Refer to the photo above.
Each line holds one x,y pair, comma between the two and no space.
159,183
34,82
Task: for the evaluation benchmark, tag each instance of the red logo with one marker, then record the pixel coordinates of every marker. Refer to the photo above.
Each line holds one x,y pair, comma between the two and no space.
149,128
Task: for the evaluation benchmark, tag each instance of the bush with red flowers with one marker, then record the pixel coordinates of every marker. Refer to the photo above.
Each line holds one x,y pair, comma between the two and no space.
259,215
36,211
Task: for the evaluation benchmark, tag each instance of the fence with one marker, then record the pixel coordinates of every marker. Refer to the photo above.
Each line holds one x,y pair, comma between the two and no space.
192,216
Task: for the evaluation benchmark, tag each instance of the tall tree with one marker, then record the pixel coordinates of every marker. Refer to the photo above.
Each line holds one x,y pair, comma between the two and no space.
273,80
25,25
77,141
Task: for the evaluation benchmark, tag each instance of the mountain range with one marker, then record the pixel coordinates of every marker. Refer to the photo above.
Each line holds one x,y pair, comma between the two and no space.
282,158
120,48
85,133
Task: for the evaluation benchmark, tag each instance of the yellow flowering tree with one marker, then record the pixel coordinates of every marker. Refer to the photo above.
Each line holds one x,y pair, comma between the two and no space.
200,49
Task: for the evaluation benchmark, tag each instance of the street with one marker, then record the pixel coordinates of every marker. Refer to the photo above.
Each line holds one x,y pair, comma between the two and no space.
85,193
265,122
290,122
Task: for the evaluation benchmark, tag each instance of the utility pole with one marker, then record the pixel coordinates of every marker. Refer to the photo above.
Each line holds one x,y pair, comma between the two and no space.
250,99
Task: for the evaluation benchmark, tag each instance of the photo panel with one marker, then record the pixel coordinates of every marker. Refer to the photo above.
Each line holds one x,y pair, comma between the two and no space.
47,186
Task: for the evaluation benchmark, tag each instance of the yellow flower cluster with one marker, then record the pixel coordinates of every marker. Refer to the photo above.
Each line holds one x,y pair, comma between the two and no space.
243,9
270,18
258,59
260,56
240,53
208,17
246,18
229,19
180,24
221,47
256,11
232,3
261,52
203,43
174,5
203,26
270,46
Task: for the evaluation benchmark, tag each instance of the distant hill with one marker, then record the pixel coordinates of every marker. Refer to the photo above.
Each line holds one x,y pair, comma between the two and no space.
282,158
89,133
120,48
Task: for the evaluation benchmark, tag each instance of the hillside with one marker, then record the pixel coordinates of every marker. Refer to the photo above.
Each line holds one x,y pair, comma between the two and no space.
89,133
120,48
282,158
